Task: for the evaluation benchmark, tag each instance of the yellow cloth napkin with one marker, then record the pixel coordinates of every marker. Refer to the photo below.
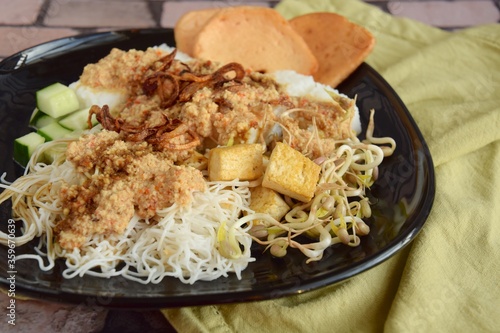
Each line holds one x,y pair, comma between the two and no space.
448,279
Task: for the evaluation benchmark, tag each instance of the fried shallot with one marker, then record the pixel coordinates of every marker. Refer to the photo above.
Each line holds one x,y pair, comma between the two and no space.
173,88
161,136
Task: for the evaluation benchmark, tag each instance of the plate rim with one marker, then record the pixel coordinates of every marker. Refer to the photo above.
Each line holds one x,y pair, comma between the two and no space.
396,244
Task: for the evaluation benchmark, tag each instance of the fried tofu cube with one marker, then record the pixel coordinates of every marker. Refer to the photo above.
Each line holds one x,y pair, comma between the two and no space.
243,162
265,200
291,173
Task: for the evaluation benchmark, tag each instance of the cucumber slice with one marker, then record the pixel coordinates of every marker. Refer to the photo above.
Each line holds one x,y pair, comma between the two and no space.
57,100
54,131
36,113
39,119
25,145
77,121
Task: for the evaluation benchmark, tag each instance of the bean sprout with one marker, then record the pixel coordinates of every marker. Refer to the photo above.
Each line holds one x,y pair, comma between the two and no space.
337,211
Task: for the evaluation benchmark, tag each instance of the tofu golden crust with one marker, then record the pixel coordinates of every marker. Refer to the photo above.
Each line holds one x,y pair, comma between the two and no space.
265,200
243,162
291,173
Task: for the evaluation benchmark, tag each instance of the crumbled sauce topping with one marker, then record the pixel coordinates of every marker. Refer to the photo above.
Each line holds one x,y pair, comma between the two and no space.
126,178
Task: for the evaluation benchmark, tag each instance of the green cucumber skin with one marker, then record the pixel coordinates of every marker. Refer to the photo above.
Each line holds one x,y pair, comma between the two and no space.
77,121
44,121
25,145
57,100
54,131
52,124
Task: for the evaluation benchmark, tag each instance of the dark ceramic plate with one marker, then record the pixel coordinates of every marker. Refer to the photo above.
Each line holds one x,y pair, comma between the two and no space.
403,194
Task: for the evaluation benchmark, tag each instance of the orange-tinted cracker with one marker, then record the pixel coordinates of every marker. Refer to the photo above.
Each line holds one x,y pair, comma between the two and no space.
188,26
339,45
259,38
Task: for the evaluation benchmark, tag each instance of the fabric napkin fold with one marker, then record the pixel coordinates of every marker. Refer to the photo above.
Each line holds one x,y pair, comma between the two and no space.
448,278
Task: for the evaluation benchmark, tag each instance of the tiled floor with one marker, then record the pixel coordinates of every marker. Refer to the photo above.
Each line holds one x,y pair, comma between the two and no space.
24,23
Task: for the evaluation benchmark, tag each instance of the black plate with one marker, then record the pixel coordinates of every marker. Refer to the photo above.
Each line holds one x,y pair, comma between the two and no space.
403,194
